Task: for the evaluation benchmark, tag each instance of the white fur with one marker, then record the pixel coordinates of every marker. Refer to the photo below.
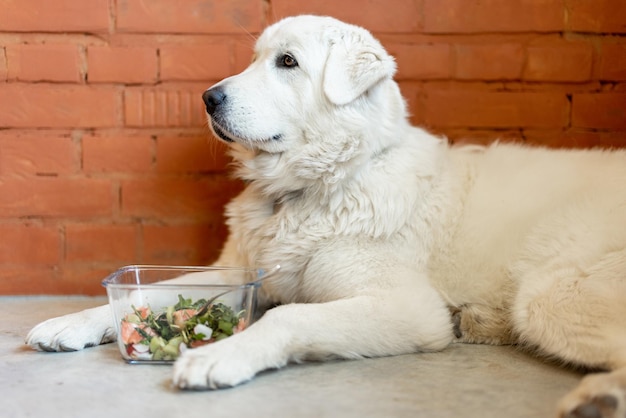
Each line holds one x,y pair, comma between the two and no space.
380,227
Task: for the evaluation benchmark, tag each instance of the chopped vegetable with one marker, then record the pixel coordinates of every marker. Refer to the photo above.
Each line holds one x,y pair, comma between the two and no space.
148,335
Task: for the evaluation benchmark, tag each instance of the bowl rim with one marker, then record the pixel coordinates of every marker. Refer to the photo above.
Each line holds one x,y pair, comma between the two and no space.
108,281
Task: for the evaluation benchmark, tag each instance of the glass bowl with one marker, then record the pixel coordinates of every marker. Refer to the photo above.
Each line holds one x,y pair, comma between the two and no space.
161,311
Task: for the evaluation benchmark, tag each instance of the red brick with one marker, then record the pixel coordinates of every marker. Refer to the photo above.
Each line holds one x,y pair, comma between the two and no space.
69,280
569,62
29,244
495,109
180,198
43,62
601,16
82,279
36,154
553,87
57,106
576,138
183,244
412,92
599,110
190,154
376,15
489,61
243,51
123,153
195,62
55,197
3,65
192,16
102,243
121,64
612,62
422,62
28,279
54,16
467,16
160,107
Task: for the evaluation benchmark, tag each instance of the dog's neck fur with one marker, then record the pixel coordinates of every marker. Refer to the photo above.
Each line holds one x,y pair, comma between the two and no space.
329,175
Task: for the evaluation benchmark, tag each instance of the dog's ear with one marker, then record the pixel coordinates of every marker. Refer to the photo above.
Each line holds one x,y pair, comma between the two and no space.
356,62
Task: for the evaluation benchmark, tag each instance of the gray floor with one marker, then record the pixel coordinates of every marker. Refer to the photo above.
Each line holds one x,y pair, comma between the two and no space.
462,381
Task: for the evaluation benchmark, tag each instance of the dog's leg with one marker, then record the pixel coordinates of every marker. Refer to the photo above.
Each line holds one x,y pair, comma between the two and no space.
578,315
377,324
74,331
570,300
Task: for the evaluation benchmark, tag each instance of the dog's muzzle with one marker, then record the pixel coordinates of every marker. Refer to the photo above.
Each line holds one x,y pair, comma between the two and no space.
213,98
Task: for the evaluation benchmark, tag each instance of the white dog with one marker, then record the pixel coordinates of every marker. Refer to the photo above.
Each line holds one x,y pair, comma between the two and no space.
390,240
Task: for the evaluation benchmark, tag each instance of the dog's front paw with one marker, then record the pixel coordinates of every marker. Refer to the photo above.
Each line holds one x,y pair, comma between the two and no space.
601,395
74,331
226,363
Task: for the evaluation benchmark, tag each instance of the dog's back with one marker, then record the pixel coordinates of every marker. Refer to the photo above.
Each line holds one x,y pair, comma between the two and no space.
513,193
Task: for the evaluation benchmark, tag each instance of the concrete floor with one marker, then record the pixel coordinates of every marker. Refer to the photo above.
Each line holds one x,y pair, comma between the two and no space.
463,380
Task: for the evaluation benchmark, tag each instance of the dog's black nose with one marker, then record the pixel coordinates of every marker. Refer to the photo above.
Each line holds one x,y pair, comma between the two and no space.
213,98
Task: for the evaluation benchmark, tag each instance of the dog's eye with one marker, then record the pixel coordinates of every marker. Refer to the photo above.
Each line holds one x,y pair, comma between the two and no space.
287,61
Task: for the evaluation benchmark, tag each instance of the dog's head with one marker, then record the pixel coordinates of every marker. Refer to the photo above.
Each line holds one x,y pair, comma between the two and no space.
316,88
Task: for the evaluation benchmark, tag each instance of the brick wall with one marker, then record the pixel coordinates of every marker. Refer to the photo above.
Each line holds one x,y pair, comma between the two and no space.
104,151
